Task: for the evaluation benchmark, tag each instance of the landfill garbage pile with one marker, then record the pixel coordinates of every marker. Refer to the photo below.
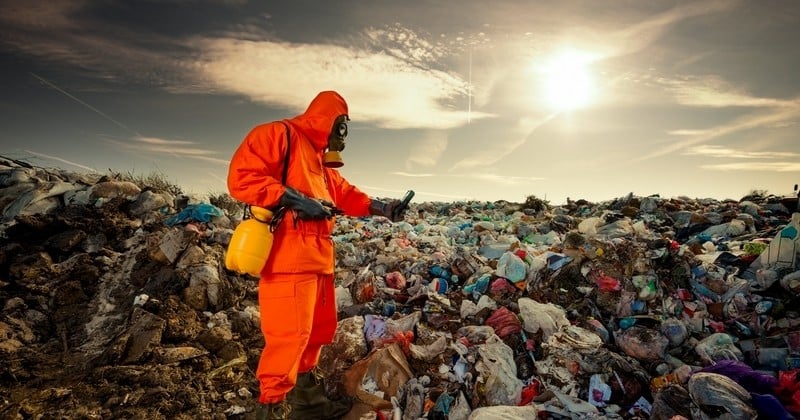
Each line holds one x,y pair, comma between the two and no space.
116,303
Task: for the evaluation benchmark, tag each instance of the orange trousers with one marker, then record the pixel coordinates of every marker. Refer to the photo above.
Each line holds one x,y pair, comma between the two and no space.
298,317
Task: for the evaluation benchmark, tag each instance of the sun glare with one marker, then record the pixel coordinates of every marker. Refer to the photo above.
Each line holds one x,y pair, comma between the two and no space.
567,80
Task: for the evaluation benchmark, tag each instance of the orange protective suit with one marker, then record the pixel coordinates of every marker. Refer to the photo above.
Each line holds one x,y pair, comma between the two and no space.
296,292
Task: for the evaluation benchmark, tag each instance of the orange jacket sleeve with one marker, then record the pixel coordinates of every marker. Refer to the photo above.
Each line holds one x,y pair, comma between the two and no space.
254,174
347,197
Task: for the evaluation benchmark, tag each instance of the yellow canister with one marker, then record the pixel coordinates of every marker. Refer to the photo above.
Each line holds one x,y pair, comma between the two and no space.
250,244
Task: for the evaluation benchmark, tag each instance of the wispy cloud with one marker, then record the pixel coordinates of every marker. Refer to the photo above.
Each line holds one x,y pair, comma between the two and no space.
724,152
37,14
140,143
713,92
414,174
687,132
405,44
161,142
380,88
756,161
62,34
418,193
390,78
755,166
162,147
637,37
759,119
505,179
603,45
498,179
493,152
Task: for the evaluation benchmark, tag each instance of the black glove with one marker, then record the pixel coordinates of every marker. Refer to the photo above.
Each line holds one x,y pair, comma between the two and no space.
390,210
305,208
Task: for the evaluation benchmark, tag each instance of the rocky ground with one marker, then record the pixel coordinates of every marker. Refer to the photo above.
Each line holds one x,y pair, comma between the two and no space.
116,304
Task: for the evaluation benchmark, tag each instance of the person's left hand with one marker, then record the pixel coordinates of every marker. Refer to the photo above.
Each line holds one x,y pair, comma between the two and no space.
390,210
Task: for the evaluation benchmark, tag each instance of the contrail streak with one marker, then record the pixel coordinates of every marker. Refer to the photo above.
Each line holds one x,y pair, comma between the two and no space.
97,111
61,160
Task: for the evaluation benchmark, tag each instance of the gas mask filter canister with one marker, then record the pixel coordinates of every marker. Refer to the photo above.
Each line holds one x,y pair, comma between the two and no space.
333,157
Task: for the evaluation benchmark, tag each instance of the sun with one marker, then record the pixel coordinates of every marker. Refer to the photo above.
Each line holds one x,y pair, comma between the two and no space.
567,81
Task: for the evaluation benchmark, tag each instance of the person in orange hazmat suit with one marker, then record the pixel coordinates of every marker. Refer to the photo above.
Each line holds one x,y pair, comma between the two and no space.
296,290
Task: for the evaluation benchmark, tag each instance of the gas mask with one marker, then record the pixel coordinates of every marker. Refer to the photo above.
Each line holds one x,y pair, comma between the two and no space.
332,157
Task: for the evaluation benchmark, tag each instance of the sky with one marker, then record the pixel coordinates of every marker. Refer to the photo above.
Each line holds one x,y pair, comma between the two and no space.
456,100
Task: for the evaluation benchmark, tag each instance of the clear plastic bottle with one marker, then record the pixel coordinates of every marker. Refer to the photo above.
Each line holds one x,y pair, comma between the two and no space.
250,244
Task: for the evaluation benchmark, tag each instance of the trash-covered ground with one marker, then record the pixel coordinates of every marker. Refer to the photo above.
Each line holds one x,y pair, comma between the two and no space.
116,304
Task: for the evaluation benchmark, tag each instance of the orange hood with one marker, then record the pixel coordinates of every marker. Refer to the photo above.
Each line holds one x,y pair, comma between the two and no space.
317,121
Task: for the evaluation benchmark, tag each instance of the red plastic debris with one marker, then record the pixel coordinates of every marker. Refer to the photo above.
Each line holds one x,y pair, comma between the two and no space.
504,322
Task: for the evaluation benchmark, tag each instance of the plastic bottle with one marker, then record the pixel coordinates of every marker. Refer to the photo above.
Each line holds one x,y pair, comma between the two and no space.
250,244
782,251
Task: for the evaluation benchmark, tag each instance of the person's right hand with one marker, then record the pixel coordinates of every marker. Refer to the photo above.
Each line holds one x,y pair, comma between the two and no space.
305,208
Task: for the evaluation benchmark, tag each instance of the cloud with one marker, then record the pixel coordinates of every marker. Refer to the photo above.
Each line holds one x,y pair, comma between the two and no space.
405,44
422,195
755,166
763,118
63,33
36,15
687,132
413,174
494,178
391,80
639,36
491,153
380,88
157,141
164,147
723,152
504,179
599,46
714,92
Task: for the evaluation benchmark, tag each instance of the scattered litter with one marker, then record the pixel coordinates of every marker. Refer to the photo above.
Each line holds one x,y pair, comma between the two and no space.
632,308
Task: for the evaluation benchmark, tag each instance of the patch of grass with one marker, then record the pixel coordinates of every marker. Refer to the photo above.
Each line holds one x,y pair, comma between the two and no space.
154,181
227,203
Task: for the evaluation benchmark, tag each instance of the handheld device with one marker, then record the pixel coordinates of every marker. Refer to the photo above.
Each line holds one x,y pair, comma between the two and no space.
400,209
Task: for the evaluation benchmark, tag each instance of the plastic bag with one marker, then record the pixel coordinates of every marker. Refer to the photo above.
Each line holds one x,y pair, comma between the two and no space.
202,212
599,391
788,390
642,343
716,347
744,375
717,394
387,368
504,322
